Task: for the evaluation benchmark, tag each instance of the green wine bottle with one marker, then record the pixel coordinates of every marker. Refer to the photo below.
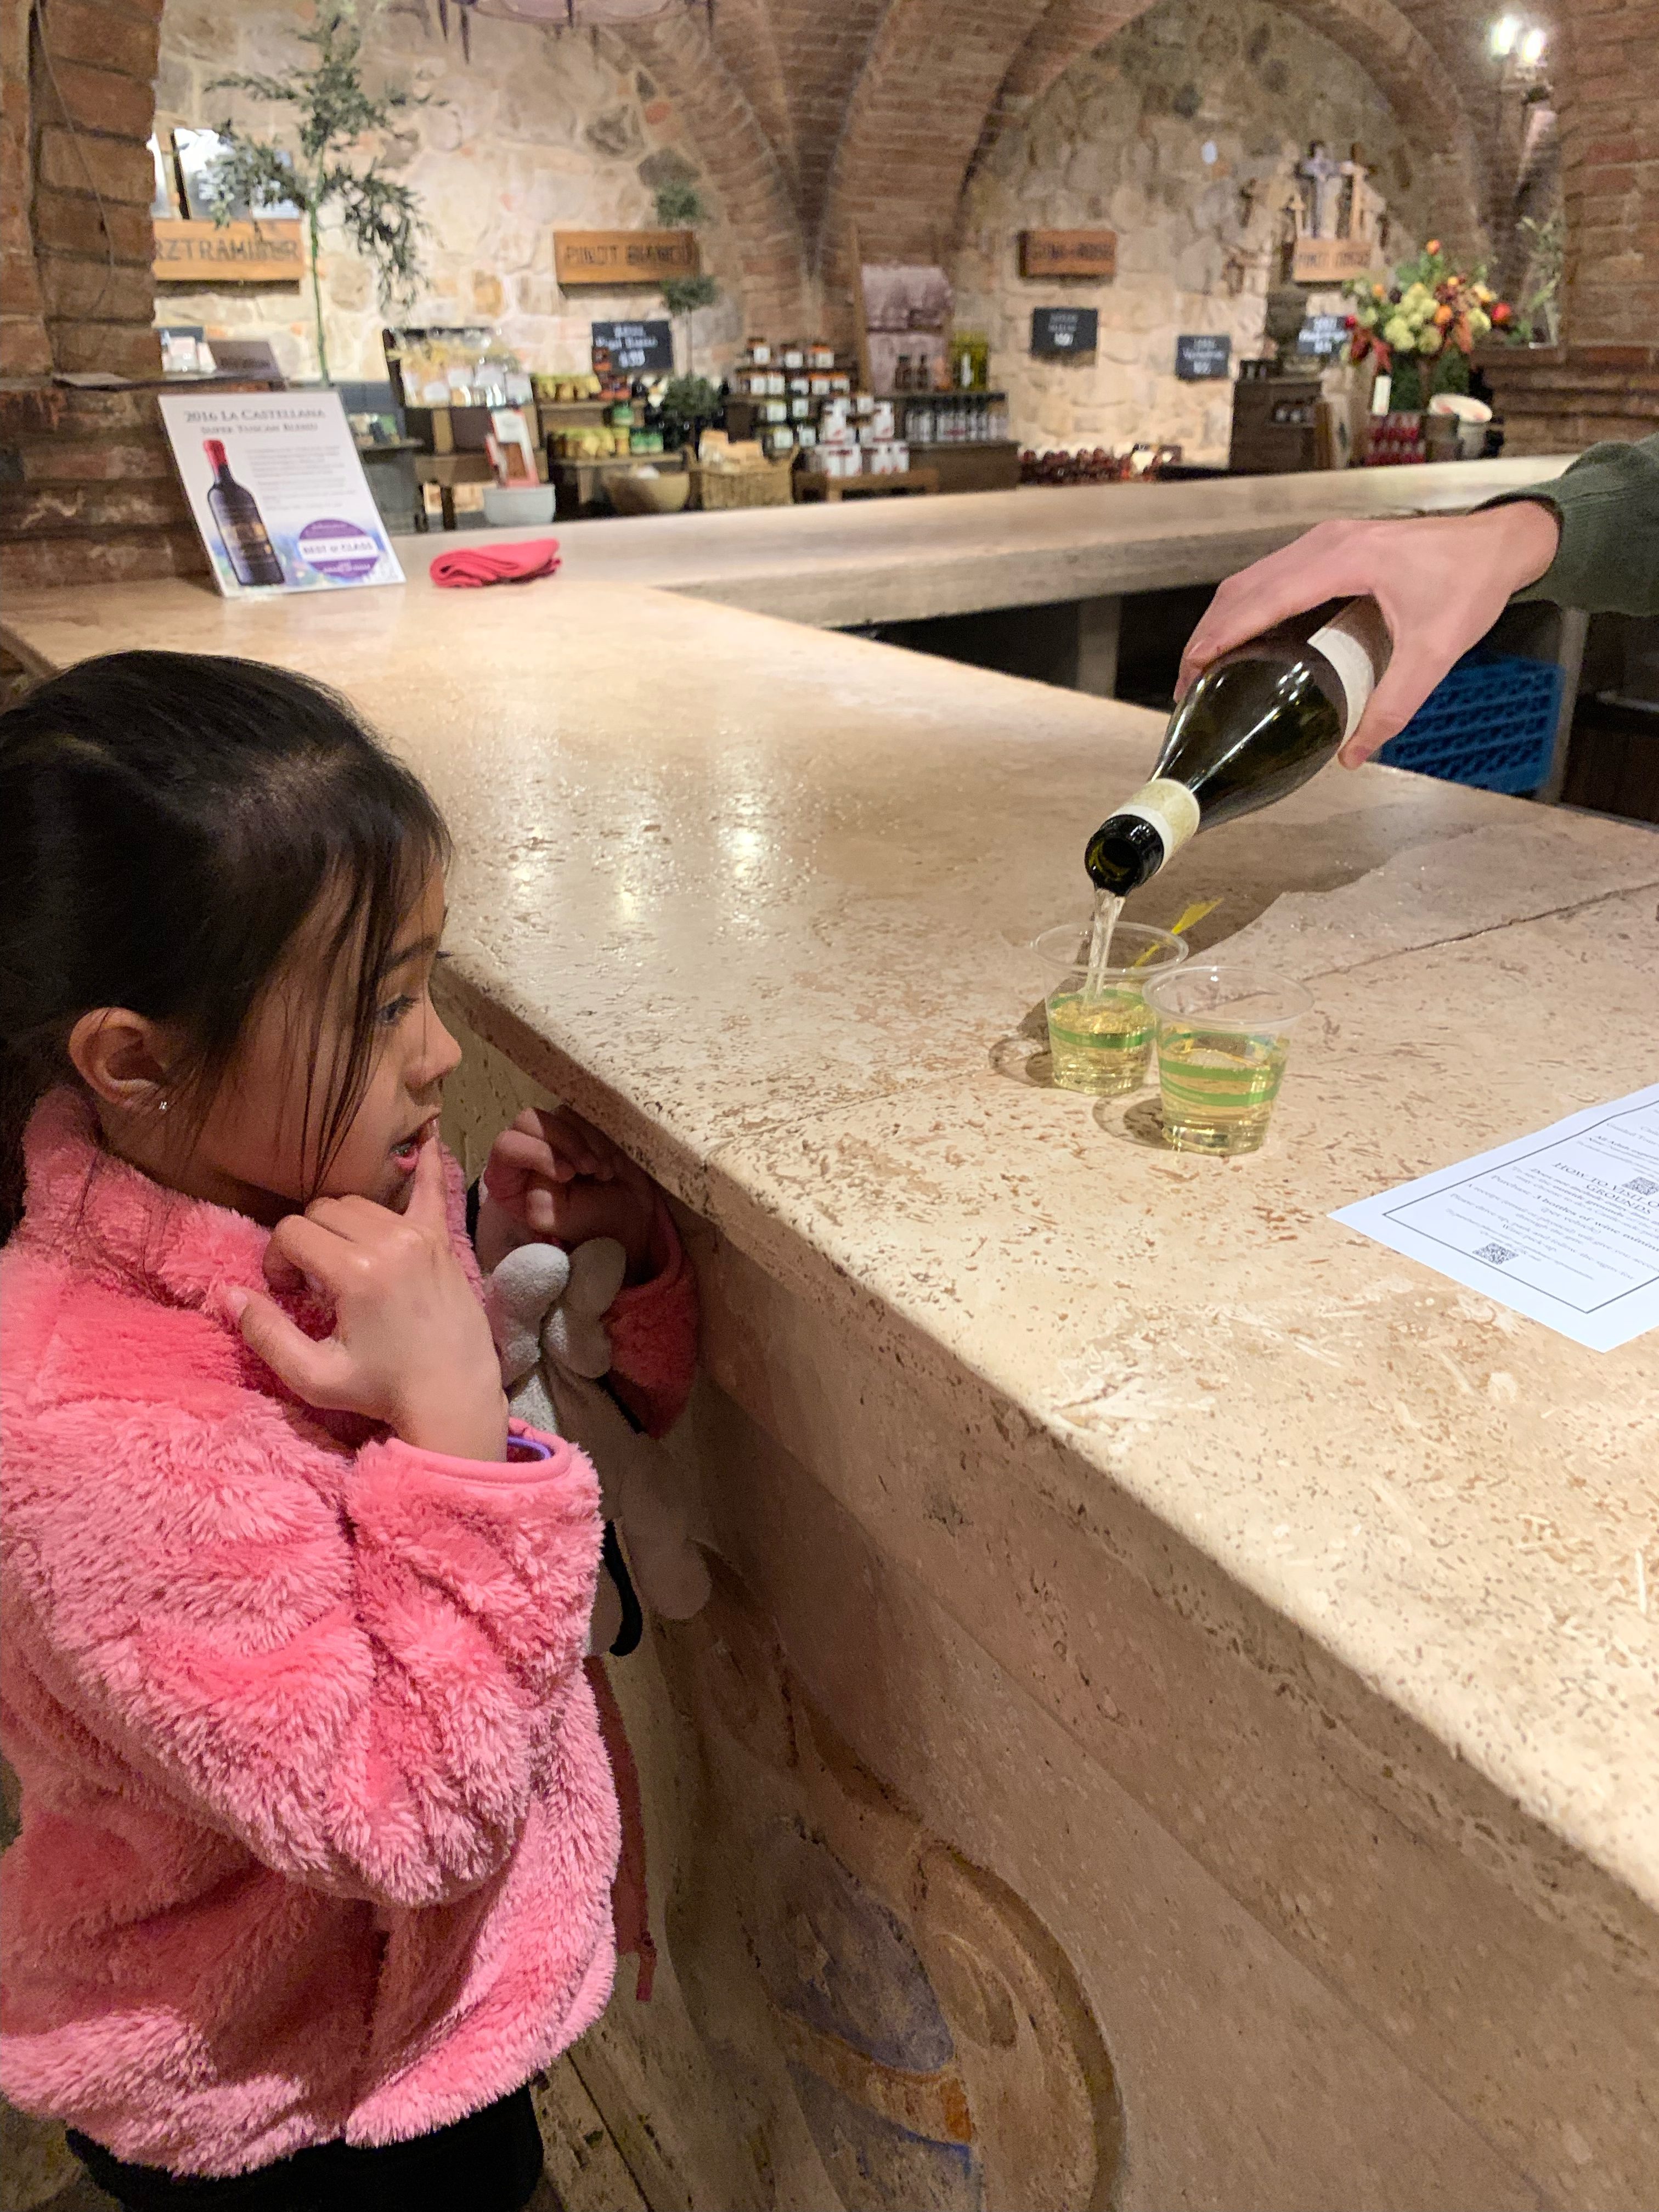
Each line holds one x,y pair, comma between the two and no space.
1256,725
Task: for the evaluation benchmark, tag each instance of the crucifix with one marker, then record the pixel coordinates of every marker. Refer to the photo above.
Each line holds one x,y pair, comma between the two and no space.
1323,173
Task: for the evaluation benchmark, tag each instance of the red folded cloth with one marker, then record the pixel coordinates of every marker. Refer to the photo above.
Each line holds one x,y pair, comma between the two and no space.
497,564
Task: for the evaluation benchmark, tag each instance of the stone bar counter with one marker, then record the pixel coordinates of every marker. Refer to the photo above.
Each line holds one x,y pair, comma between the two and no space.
906,560
1177,1720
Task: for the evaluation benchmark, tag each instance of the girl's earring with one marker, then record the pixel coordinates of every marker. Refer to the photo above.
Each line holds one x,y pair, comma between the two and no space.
165,1103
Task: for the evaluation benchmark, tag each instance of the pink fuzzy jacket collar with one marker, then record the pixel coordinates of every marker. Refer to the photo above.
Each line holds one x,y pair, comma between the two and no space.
317,1830
108,1221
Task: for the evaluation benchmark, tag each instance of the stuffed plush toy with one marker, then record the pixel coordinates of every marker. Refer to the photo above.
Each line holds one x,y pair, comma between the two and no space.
547,1308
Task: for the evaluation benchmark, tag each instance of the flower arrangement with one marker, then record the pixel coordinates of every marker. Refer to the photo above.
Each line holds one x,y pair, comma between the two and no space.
1423,327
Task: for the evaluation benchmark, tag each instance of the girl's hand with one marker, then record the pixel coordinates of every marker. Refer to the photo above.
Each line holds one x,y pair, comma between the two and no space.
411,1346
555,1177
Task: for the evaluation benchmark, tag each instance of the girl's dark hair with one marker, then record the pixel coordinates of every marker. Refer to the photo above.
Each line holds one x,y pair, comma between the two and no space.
167,822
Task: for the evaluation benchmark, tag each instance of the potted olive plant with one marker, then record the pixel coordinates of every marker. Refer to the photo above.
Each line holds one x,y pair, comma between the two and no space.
333,113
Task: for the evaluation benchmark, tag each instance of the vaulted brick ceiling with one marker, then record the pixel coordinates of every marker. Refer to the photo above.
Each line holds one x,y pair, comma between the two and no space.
823,119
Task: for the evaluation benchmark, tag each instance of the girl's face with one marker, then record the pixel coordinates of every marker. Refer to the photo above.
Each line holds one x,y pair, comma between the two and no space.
253,1152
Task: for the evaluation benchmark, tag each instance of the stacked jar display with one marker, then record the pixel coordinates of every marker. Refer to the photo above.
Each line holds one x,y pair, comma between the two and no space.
956,419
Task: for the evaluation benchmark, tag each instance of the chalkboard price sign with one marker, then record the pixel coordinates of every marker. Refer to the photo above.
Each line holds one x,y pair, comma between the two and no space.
1060,332
1200,356
636,349
1323,335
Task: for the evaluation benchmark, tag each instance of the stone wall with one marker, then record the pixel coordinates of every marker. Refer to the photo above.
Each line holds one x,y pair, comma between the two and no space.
541,128
1120,141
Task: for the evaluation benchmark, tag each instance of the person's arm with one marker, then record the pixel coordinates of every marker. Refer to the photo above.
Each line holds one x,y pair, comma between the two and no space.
1443,581
359,1668
652,1329
553,1175
1606,507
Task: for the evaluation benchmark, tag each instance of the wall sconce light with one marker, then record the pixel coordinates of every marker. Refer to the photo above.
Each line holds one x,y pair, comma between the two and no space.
1531,49
1503,36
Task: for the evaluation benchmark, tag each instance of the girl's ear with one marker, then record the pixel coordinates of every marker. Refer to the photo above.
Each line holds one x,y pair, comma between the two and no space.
122,1058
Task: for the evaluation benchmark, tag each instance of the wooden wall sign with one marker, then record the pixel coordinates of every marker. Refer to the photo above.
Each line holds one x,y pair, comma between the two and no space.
1068,253
213,254
1330,260
623,256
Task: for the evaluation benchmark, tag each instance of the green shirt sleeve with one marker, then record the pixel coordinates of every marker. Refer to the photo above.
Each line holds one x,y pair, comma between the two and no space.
1607,505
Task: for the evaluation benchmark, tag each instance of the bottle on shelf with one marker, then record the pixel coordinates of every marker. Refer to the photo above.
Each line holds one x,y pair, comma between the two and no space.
1257,724
241,526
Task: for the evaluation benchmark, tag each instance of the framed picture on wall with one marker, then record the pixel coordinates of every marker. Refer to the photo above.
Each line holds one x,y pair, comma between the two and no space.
164,202
906,311
200,152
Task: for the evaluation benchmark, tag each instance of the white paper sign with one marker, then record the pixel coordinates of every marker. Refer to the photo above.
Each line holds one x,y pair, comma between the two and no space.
1564,1226
277,491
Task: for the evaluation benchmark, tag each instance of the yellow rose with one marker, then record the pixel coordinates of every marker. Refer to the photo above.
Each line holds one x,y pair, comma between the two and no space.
1429,341
1399,333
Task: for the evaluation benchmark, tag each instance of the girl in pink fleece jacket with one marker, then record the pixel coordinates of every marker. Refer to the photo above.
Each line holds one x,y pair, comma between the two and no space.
318,1828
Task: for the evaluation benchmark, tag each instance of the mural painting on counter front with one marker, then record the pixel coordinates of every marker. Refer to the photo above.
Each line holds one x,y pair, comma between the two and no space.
934,2050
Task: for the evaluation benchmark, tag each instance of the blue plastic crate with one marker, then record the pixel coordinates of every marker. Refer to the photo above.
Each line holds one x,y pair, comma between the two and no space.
1491,723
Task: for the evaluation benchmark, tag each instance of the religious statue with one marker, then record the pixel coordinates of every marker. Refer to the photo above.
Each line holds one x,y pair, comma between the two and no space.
1339,218
1364,213
1324,175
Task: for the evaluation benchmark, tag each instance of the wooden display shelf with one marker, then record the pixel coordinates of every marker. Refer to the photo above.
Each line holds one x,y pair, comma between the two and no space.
451,469
455,429
813,484
464,429
580,484
992,466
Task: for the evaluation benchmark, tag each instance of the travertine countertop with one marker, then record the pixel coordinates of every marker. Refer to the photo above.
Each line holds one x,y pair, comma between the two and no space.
902,560
754,897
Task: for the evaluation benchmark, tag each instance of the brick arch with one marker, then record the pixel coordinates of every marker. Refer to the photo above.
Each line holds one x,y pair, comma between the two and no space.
930,76
742,165
943,80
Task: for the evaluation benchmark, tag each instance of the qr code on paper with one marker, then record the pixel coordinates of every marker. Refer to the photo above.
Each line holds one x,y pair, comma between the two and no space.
1643,1186
1499,1254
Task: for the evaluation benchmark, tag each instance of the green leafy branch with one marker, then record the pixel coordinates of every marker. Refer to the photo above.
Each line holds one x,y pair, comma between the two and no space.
680,207
334,110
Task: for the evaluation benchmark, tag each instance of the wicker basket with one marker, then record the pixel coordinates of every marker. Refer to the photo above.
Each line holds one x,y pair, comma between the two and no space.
770,485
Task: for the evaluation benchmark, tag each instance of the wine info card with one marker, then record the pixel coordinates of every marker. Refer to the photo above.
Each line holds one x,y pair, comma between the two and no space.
277,491
1563,1226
